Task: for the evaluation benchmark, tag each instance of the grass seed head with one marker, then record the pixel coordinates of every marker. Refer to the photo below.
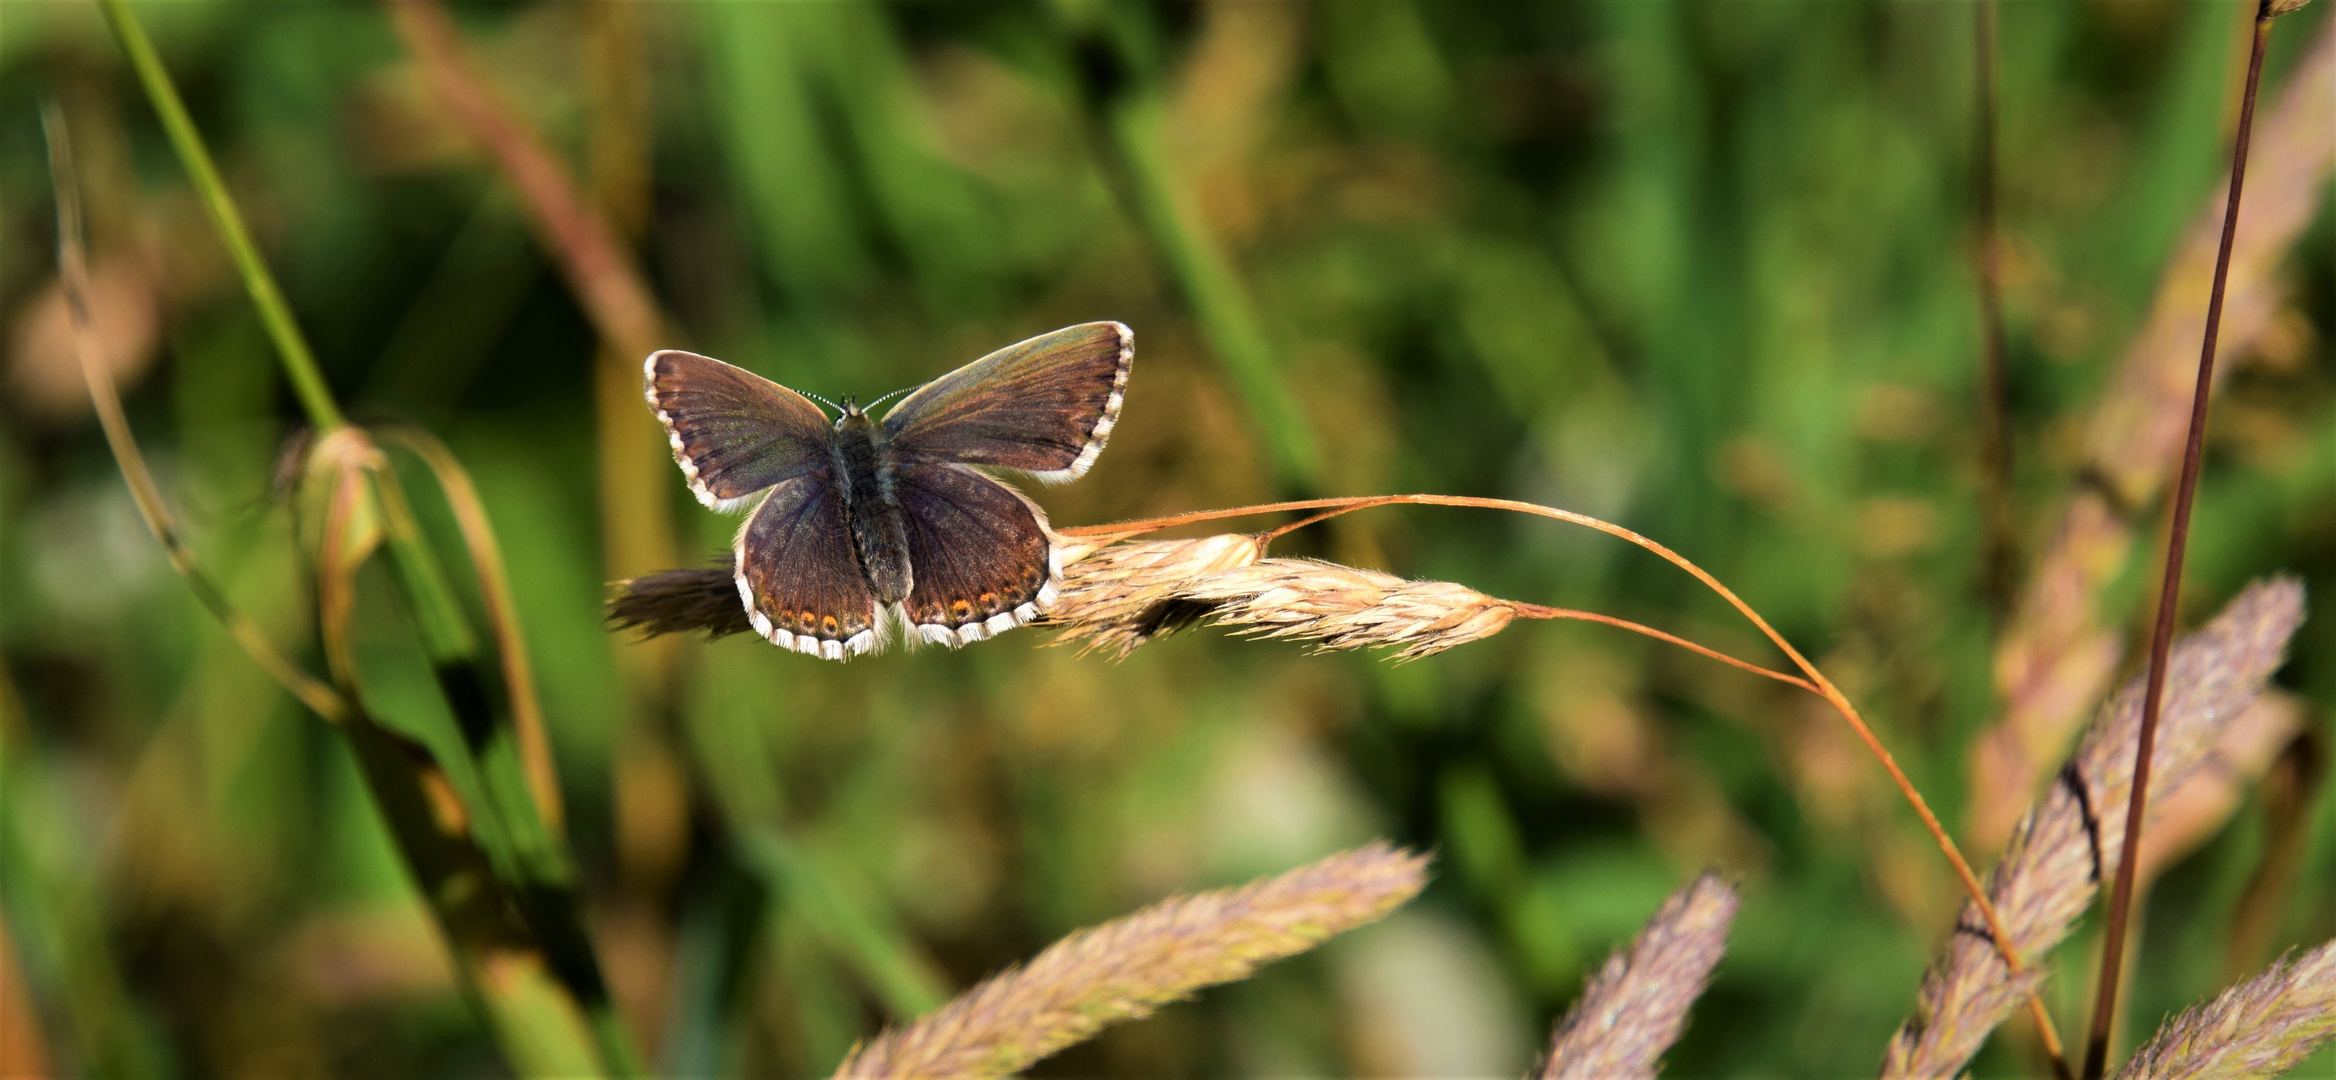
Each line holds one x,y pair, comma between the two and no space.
1343,607
1636,1006
2070,840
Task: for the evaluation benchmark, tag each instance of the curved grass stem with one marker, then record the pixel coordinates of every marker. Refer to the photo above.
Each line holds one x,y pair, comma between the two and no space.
275,313
1816,682
73,275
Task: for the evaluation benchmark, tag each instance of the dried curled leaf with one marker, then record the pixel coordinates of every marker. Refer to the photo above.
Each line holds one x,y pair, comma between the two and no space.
1126,968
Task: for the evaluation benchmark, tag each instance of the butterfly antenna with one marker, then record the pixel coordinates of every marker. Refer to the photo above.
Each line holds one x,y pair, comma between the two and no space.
871,405
821,400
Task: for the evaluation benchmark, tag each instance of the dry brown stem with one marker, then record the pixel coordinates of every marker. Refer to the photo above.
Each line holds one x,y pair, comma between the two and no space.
2056,657
1635,1008
2260,1028
2071,837
1131,966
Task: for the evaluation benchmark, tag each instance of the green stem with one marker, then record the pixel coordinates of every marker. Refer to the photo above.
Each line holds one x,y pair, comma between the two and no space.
299,362
512,835
1219,301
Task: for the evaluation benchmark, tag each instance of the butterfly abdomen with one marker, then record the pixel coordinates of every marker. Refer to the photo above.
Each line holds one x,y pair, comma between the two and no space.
863,472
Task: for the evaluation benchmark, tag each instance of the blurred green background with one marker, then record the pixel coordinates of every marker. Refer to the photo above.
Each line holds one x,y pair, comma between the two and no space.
1703,269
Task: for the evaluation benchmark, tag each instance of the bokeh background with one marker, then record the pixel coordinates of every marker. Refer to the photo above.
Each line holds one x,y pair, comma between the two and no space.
1705,269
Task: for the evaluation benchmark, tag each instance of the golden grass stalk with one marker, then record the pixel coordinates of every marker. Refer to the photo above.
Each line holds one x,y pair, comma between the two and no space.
1636,1006
2055,658
2260,1028
1128,967
2070,839
1343,607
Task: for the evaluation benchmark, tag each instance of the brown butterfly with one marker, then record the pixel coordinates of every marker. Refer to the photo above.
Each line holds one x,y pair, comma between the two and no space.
863,521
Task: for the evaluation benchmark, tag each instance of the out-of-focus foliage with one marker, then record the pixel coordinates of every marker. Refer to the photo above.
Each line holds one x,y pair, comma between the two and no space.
1700,268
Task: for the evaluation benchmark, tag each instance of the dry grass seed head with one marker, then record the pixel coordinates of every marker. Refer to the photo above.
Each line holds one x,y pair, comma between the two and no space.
1636,1007
1128,967
1119,596
2070,838
1342,607
2260,1028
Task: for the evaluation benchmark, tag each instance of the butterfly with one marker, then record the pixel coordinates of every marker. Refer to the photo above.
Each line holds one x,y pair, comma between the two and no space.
859,522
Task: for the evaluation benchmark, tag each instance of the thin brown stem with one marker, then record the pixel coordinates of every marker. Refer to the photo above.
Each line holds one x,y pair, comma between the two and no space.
1823,686
1536,611
2170,587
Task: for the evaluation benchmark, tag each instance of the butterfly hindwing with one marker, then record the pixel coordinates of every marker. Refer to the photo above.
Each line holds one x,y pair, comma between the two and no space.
1044,406
981,554
797,575
733,432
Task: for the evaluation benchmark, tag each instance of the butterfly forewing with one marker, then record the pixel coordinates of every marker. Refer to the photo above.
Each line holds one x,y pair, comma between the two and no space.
1044,406
983,560
797,575
733,432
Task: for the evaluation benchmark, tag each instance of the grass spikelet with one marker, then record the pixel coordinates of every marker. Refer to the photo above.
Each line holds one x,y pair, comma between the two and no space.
1126,968
2070,838
678,601
1120,596
1342,607
1636,1006
2260,1028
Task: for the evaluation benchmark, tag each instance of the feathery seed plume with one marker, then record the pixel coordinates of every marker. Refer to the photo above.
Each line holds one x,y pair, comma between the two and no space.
1120,596
1343,607
2071,838
675,601
1636,1007
2260,1028
1128,967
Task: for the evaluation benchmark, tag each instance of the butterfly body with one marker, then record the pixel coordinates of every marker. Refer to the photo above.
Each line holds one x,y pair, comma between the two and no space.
862,469
859,521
